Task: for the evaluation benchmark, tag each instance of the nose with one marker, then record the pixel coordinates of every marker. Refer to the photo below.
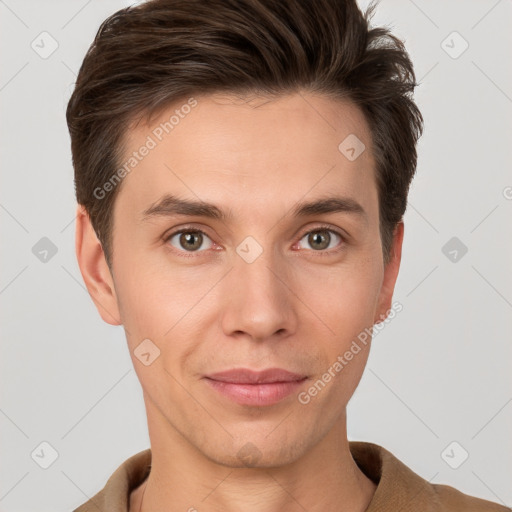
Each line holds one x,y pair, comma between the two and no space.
260,302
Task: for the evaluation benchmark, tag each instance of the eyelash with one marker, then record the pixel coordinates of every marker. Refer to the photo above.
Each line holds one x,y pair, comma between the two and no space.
191,229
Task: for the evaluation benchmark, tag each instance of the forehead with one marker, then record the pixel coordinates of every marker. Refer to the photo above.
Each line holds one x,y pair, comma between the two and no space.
252,153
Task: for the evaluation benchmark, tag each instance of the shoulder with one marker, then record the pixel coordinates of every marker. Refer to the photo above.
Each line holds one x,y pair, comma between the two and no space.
399,488
115,495
452,499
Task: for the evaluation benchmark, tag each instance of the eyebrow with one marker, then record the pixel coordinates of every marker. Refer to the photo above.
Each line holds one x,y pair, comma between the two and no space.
170,205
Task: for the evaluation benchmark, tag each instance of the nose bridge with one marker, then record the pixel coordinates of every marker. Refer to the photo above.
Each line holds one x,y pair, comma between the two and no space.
256,266
259,301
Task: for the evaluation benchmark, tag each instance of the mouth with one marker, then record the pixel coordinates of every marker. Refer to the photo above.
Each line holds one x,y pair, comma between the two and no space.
247,376
253,388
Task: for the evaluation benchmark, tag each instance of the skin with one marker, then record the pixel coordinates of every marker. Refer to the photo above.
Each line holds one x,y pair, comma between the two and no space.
291,308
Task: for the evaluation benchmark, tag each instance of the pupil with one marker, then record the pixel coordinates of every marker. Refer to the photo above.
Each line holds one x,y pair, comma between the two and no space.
189,238
316,237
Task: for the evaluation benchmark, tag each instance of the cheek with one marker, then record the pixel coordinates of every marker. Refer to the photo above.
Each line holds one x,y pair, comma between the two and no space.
162,302
347,307
142,312
349,313
346,296
154,314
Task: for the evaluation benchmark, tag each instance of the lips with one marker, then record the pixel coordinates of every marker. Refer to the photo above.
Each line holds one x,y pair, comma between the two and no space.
256,389
246,376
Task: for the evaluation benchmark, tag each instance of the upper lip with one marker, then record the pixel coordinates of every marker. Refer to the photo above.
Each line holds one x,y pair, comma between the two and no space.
246,376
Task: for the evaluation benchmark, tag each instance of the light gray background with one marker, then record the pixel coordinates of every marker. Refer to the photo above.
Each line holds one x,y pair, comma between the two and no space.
438,373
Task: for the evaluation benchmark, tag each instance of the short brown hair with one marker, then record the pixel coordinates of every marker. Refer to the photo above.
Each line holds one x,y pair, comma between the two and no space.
146,57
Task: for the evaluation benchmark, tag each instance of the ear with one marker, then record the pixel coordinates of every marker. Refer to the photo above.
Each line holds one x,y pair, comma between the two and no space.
390,275
94,269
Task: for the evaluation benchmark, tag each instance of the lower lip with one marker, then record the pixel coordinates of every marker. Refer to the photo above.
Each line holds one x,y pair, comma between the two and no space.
256,394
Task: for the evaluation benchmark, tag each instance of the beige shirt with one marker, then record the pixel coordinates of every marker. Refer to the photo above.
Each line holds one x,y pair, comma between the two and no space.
399,489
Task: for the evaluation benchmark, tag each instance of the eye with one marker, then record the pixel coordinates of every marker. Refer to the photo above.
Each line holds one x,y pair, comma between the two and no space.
320,239
188,239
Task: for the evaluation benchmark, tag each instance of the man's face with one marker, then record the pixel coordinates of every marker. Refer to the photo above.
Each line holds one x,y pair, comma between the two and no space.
261,288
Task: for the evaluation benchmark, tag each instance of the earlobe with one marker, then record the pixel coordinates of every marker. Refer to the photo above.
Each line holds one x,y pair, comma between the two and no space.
94,269
390,274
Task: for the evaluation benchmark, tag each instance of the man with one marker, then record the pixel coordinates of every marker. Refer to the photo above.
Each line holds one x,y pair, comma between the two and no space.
242,171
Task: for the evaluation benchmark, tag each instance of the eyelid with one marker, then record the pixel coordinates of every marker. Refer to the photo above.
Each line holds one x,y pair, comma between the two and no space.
184,229
321,227
327,227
